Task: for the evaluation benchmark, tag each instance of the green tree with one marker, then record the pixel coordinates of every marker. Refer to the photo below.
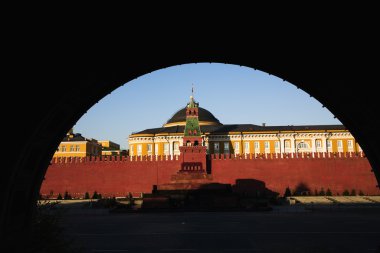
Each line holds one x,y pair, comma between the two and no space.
346,193
86,195
361,193
67,195
59,196
287,193
328,192
95,195
353,192
322,192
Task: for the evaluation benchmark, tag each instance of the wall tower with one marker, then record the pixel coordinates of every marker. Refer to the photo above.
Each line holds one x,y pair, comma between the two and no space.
193,152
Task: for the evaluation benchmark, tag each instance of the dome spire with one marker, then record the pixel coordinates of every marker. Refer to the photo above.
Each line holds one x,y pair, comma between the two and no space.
192,103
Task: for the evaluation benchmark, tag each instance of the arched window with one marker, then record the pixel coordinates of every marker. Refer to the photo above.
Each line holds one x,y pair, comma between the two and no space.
188,143
196,143
302,146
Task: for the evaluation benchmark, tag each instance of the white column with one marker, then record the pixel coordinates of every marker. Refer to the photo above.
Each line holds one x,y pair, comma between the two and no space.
293,144
282,145
171,152
324,143
313,148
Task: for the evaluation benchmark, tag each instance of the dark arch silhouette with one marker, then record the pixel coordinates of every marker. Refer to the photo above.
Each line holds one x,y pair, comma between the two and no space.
58,90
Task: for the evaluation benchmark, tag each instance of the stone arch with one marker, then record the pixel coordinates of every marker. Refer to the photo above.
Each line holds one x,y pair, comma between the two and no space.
50,113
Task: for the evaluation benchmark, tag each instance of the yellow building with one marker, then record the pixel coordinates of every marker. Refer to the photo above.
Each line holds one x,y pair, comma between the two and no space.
242,138
75,145
111,148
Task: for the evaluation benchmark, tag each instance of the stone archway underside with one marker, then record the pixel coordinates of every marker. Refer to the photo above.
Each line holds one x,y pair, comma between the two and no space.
57,91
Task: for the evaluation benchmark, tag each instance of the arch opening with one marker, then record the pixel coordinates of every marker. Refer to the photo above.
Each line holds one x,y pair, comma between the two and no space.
39,159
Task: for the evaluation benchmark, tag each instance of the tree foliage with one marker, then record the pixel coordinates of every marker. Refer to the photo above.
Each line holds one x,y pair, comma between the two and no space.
287,193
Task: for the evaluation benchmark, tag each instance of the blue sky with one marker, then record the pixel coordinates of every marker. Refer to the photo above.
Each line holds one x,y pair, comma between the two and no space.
234,94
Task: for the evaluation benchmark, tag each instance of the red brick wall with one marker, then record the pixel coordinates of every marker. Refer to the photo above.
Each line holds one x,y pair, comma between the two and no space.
110,178
336,173
118,177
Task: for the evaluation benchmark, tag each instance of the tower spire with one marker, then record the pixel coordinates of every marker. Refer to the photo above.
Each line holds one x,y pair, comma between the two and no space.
192,90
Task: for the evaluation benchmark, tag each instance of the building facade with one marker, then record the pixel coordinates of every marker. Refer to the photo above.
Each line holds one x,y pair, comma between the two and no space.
111,148
241,139
75,145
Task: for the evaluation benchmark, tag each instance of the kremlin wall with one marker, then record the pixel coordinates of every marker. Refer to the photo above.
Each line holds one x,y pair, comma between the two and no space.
117,176
194,144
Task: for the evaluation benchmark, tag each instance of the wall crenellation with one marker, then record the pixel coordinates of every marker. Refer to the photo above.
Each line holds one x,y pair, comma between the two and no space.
318,155
167,158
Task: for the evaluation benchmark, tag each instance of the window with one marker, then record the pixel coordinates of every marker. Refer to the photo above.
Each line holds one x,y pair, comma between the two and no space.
176,146
303,145
287,143
71,148
237,147
257,145
349,143
166,148
156,149
226,147
216,148
266,145
329,144
139,149
339,143
149,148
246,147
318,143
77,148
277,144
